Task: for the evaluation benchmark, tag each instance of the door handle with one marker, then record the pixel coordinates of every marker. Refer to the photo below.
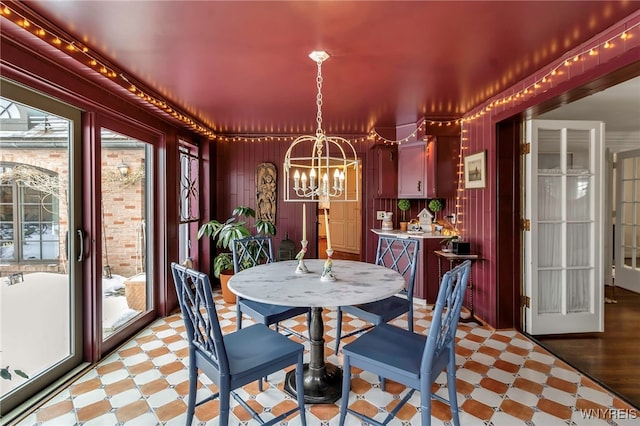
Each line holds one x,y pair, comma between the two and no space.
80,257
419,185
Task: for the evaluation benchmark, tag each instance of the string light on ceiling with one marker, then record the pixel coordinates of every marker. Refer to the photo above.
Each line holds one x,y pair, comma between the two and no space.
83,54
77,50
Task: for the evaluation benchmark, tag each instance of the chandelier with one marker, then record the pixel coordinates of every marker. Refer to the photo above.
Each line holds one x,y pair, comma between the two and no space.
318,167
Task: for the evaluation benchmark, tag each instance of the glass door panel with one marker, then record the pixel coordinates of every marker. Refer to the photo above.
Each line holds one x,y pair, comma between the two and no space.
40,283
564,205
126,292
628,221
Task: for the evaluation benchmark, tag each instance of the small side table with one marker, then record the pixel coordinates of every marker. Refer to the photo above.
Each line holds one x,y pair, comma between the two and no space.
453,259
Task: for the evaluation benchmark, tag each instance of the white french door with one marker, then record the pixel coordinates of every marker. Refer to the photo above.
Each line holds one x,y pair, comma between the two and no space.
564,202
627,249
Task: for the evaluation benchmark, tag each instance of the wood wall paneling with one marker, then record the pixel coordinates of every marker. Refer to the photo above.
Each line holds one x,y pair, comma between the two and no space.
492,300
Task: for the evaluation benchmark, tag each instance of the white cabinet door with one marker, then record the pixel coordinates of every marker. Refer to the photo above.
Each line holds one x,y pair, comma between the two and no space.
412,176
564,277
627,250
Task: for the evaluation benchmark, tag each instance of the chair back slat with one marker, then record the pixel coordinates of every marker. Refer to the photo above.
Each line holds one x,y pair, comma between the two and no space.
200,315
446,314
401,255
251,251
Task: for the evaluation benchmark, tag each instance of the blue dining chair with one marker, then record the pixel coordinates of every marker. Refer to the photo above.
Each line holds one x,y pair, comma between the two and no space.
251,251
401,255
230,361
412,359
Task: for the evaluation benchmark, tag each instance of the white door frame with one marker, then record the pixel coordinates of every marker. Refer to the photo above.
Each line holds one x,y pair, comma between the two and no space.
627,245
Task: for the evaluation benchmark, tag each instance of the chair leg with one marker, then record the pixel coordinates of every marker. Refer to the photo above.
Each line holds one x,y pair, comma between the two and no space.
193,389
225,396
410,318
425,408
346,387
300,387
383,383
238,315
451,385
338,329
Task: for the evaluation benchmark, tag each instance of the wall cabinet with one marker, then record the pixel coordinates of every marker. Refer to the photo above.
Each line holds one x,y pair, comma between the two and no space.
427,168
385,160
412,174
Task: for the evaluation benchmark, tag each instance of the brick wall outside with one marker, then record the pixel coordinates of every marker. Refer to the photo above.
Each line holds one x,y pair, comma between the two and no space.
123,200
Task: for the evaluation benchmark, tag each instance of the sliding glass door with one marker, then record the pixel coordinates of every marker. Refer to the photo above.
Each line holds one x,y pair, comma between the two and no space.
126,290
41,243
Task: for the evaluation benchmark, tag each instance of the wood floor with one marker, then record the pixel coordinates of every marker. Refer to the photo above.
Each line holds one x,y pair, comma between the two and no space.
322,252
613,357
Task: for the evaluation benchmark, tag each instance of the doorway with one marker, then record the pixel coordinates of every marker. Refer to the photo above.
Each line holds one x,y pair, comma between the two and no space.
604,355
345,223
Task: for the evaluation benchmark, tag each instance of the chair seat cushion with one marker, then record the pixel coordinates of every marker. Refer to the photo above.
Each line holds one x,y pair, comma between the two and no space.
381,311
389,348
269,314
253,348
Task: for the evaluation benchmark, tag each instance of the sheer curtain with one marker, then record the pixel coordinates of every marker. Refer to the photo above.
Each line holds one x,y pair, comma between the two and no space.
564,258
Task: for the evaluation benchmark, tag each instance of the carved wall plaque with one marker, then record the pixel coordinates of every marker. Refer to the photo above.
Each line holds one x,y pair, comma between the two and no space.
266,192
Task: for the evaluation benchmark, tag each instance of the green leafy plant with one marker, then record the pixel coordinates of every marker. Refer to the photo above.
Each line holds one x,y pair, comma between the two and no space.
404,205
446,242
435,206
5,373
233,228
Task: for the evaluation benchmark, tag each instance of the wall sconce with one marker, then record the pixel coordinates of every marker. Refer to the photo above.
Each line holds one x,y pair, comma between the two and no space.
123,168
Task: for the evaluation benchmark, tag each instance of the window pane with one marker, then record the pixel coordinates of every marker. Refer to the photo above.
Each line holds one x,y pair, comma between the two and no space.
550,245
578,198
126,288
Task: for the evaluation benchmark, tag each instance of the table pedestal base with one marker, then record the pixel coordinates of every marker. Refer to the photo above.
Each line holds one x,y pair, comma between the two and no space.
321,386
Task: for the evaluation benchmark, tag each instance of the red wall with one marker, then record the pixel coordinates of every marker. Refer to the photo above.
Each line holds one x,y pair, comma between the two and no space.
618,63
234,185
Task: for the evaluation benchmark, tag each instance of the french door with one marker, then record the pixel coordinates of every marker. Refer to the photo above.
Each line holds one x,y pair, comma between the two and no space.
564,202
627,250
41,243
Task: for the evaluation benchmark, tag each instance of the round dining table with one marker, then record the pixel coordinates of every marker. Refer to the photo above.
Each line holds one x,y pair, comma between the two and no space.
278,283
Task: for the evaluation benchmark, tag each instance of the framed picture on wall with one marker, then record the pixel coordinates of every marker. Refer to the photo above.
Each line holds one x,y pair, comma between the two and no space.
475,170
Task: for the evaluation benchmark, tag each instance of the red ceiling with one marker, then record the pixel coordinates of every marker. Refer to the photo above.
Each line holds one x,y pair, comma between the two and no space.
242,67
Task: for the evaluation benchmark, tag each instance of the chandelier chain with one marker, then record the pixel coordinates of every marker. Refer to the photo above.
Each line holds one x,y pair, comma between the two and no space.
319,99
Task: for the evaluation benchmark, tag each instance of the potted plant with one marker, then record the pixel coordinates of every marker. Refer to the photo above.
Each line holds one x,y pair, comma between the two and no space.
446,243
435,206
224,233
403,205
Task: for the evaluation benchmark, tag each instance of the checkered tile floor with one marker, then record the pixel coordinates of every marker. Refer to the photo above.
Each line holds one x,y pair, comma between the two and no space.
503,379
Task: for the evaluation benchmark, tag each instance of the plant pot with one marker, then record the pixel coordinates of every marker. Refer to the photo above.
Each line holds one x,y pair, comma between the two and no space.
403,226
227,295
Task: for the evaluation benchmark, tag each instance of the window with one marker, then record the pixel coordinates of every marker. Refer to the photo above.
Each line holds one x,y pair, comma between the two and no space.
189,198
29,214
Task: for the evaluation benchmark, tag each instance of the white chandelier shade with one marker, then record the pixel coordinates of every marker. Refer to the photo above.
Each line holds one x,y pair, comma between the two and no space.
320,168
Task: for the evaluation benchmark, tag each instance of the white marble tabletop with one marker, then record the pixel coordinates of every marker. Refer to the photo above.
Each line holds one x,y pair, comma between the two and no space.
278,283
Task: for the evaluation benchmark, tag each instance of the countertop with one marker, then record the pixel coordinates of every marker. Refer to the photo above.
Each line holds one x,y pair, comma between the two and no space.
401,234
